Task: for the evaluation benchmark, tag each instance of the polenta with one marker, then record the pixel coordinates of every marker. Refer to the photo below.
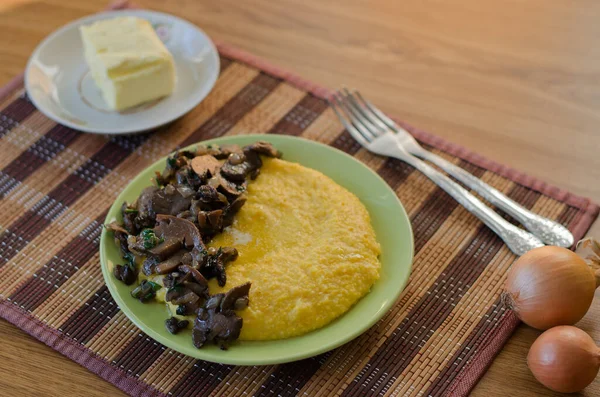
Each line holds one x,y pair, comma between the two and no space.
307,246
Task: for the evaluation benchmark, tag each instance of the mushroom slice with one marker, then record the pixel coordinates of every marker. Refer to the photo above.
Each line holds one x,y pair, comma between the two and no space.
207,194
189,297
167,248
253,160
216,261
228,254
231,189
196,275
125,273
232,209
116,227
170,264
208,198
262,147
231,296
174,292
170,227
205,165
149,265
226,150
129,213
201,291
215,218
218,151
175,279
174,326
121,235
237,172
214,325
155,201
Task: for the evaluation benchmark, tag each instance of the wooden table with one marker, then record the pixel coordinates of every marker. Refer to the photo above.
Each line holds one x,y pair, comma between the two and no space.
516,81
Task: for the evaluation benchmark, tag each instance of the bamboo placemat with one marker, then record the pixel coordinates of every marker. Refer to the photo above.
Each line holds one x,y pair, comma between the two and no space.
57,185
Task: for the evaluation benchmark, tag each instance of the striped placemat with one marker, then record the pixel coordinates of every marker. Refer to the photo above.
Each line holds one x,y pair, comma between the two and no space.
57,184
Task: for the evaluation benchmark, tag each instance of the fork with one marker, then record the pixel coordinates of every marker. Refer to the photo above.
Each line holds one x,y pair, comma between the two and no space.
548,231
369,129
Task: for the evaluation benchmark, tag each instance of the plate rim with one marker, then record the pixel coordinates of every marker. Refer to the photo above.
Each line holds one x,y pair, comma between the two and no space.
199,353
117,131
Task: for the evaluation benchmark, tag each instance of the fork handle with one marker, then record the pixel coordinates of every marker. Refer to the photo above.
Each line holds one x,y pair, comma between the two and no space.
545,229
518,240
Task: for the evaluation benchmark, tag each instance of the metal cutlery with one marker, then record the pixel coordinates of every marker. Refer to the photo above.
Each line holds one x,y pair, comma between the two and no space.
371,128
548,231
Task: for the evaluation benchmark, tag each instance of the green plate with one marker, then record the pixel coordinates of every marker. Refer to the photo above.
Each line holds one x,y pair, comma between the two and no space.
389,220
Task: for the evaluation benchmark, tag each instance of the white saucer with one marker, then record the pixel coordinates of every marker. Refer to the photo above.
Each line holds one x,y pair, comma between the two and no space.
58,82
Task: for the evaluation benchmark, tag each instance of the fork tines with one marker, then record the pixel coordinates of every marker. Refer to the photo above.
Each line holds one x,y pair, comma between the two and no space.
360,118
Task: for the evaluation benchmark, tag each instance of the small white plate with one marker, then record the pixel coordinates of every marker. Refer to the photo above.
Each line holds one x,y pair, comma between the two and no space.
58,82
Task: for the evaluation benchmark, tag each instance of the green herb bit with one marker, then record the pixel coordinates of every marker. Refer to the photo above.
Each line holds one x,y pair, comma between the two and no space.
176,288
155,286
145,291
147,296
131,211
149,239
130,258
137,292
172,162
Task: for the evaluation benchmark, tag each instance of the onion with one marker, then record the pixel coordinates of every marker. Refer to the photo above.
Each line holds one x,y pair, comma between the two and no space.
190,297
564,359
550,286
185,191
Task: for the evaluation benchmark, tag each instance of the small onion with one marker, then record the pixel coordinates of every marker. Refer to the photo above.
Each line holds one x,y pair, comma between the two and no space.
550,286
185,191
214,182
564,359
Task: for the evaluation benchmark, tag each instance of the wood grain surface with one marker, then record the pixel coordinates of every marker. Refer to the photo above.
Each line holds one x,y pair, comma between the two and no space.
516,81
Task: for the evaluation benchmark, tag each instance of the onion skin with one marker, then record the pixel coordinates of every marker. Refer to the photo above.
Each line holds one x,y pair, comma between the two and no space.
564,359
550,286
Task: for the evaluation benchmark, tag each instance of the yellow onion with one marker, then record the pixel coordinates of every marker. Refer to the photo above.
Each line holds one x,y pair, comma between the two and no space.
564,359
550,286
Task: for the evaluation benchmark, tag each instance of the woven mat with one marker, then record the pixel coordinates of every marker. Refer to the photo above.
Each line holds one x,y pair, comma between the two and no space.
57,184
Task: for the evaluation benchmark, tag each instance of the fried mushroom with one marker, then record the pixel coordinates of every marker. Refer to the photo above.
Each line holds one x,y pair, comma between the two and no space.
239,292
170,227
170,264
198,194
205,165
125,273
216,261
174,325
264,148
217,321
120,235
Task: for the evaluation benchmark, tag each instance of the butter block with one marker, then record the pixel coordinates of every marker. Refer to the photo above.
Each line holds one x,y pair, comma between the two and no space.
128,62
